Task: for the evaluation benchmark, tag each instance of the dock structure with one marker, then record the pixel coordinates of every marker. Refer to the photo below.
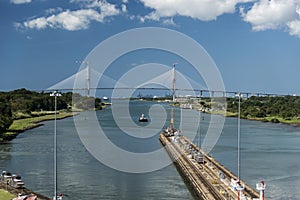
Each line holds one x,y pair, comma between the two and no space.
205,177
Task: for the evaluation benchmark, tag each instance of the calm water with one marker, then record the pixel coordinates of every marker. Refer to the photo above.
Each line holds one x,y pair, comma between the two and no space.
270,152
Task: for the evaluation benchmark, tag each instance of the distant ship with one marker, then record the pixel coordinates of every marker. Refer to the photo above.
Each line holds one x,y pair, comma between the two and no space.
142,118
105,98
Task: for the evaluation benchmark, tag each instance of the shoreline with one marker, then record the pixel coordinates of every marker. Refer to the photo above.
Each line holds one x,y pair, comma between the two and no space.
21,125
13,191
267,119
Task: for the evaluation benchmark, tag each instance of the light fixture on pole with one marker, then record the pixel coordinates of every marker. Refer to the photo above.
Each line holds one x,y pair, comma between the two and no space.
199,137
239,187
55,94
174,81
239,134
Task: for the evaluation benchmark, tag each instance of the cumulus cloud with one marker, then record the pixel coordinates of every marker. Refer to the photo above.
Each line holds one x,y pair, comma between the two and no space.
169,22
38,23
74,20
294,27
261,14
274,14
53,10
204,10
124,8
271,14
20,1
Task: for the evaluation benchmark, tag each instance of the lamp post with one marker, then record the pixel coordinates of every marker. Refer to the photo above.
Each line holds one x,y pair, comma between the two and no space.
55,94
199,138
239,134
239,188
174,81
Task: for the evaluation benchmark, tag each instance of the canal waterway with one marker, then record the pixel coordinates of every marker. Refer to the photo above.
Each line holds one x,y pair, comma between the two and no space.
269,152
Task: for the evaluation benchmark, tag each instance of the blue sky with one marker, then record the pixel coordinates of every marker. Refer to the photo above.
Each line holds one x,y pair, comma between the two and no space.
255,43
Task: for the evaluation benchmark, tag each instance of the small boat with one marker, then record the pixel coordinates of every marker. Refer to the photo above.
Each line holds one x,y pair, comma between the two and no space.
17,182
143,118
5,176
105,98
12,180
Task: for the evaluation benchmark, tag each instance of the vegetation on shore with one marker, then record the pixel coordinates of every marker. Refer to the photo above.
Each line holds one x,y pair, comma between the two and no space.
279,109
5,195
23,109
31,122
275,109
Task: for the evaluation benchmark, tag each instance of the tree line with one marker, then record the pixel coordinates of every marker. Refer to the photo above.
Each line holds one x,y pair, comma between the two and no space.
21,103
286,107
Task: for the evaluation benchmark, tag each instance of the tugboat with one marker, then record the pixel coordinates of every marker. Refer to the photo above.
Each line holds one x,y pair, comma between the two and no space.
143,118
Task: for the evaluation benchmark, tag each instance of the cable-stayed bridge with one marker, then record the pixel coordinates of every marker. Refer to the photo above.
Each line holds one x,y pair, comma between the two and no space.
89,79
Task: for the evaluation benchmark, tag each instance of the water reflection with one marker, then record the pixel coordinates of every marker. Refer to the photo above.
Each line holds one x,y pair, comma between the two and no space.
269,151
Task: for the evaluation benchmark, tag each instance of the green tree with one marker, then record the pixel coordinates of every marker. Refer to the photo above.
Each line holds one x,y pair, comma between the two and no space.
6,118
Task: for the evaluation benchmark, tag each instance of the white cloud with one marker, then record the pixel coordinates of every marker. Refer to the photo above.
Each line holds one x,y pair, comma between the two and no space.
53,10
124,8
38,23
108,9
20,1
271,14
169,22
274,14
294,27
142,19
74,20
261,14
203,10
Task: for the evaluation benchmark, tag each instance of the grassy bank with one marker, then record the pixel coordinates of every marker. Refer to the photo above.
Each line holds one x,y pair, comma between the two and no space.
4,195
21,125
32,122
